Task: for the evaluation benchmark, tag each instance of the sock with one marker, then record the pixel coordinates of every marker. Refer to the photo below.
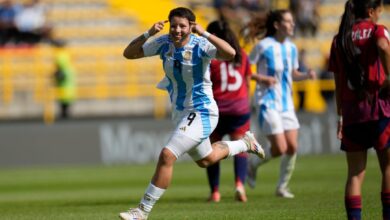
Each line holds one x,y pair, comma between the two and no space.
240,167
353,206
287,166
385,197
236,147
213,173
152,194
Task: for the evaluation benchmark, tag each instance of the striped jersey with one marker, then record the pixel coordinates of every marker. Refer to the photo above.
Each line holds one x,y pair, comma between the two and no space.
187,73
278,60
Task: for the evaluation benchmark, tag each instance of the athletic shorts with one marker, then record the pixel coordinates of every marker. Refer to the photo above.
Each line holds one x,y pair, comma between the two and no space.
362,136
232,125
191,134
275,122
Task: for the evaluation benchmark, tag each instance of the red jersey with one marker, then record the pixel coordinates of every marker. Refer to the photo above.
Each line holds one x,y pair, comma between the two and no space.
365,34
230,85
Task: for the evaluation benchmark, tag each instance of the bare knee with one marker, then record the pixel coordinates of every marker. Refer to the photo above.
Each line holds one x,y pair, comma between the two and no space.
166,157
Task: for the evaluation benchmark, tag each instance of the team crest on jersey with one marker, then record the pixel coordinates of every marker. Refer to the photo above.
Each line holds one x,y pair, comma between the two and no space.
187,54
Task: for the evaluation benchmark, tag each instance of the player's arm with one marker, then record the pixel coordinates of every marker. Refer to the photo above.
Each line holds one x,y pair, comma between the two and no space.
263,79
224,50
299,76
134,50
384,54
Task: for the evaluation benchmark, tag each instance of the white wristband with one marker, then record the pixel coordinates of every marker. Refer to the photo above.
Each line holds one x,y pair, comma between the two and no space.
146,34
206,34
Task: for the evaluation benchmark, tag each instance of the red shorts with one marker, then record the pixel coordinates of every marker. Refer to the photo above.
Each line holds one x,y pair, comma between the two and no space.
362,136
232,125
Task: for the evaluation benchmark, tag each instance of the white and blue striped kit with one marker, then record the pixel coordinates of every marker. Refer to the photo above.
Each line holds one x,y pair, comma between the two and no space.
276,107
278,60
187,79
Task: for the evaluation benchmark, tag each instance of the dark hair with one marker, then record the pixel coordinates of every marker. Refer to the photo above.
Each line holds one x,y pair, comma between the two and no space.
262,25
354,9
222,30
182,12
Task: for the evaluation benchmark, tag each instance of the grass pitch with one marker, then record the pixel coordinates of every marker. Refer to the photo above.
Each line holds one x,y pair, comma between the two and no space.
101,192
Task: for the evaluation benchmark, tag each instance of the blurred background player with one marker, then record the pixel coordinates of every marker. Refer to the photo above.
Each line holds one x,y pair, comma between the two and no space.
360,60
276,58
231,92
65,79
186,59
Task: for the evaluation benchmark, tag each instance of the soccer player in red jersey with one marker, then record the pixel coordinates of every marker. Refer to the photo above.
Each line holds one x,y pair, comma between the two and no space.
360,61
231,92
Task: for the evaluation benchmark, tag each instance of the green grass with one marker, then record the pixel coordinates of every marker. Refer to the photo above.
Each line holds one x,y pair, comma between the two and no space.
101,192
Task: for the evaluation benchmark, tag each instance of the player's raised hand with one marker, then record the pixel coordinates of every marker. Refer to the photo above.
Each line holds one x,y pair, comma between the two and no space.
157,27
196,28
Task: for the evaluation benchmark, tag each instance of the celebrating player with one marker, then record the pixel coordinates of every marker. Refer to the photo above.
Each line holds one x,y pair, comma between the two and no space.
186,59
231,92
360,61
276,58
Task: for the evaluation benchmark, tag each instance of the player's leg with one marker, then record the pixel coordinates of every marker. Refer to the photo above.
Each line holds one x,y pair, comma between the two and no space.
277,147
213,173
356,162
178,144
238,125
270,123
383,153
384,161
224,149
160,182
287,164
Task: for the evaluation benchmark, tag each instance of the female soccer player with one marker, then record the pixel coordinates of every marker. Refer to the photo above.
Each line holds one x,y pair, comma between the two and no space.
231,92
276,58
360,61
186,59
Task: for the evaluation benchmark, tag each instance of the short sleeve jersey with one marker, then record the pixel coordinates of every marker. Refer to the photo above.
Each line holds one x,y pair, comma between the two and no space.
187,72
278,60
230,85
365,35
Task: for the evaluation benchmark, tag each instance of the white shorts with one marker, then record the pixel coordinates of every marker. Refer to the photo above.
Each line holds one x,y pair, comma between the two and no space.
191,134
275,122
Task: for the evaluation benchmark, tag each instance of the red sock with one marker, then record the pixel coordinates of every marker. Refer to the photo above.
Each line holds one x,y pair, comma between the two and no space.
353,206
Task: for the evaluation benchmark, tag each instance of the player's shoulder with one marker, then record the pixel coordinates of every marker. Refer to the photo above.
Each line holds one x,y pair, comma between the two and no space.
198,40
163,39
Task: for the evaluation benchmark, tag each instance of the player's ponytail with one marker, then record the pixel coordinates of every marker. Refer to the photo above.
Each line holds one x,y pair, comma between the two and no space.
354,9
262,25
222,30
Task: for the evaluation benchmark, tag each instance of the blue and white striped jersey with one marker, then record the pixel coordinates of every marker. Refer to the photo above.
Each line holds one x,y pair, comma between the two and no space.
278,60
187,74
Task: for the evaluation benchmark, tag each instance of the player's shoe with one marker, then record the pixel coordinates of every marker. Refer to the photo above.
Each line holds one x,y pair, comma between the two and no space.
134,214
240,194
253,146
214,197
251,172
284,193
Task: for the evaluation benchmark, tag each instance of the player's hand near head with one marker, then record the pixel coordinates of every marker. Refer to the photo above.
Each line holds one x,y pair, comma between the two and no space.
157,27
196,28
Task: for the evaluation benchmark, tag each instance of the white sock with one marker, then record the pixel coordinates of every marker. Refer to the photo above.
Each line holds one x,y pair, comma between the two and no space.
152,194
236,147
287,166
